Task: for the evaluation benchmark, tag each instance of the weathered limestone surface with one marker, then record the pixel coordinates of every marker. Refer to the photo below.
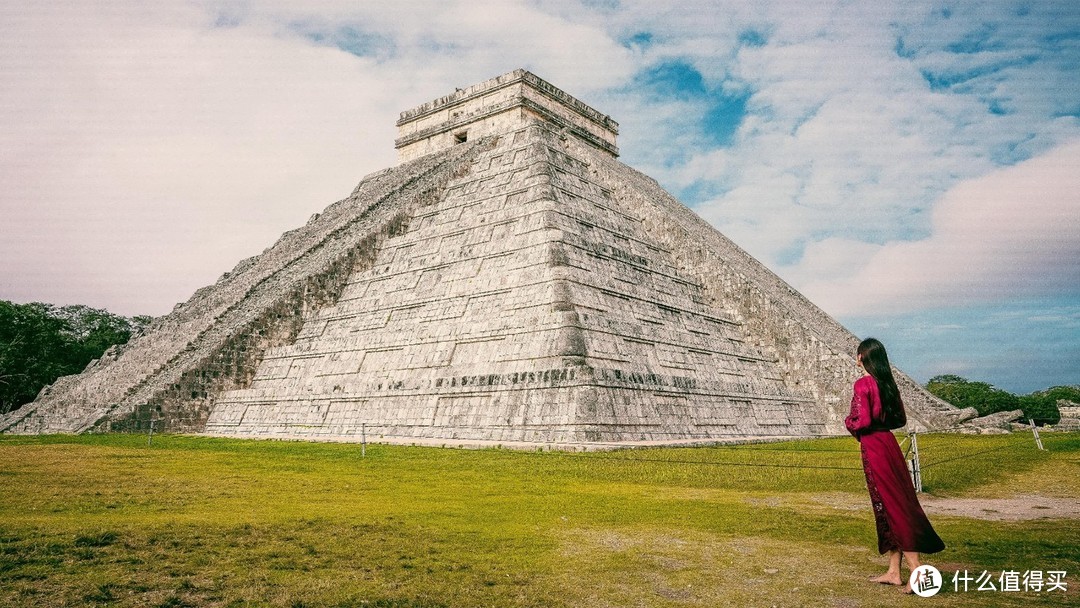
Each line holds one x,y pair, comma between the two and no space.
1070,415
996,422
961,415
529,304
511,281
500,105
215,340
815,352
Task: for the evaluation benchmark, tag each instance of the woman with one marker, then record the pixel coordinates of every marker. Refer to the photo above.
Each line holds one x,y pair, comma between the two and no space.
876,409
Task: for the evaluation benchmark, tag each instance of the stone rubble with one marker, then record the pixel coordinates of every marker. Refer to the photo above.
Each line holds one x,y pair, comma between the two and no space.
996,422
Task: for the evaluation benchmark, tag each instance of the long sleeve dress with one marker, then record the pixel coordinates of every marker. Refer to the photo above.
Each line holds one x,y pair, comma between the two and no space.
901,523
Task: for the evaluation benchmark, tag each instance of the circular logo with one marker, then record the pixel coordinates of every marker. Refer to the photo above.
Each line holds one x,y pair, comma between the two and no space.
925,581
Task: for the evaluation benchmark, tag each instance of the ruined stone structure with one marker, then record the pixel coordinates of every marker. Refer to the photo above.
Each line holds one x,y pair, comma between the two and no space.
509,281
1070,415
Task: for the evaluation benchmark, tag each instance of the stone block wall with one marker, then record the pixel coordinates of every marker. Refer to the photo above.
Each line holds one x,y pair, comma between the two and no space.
530,303
497,106
523,287
814,351
215,339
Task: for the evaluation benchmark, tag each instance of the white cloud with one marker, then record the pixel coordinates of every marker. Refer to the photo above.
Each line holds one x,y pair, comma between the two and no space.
147,148
844,135
448,43
1010,235
146,154
145,151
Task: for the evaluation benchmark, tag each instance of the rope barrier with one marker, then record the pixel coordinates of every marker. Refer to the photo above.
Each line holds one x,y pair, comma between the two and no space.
907,440
907,450
974,454
597,457
792,450
718,463
760,447
763,447
766,445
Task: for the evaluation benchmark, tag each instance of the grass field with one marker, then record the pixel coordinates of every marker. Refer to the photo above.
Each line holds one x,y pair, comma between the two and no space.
193,521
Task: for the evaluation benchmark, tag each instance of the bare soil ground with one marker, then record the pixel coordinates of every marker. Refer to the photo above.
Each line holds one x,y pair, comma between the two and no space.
1015,508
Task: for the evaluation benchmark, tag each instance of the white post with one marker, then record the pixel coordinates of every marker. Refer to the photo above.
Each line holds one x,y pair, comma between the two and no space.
363,439
913,464
150,437
1035,431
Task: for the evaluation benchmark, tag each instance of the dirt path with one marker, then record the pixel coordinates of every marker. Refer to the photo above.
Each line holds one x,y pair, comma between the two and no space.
1016,508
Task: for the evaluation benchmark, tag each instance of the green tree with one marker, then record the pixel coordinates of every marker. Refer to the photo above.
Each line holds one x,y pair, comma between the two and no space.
34,351
40,342
94,331
962,393
1041,406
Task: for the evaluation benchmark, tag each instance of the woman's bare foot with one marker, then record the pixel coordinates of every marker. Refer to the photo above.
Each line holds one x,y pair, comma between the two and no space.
888,578
907,589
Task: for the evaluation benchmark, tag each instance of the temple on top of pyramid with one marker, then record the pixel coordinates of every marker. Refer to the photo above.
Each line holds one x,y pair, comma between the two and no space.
509,281
500,105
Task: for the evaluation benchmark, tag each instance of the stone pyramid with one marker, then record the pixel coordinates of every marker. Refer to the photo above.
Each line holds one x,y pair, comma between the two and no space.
509,281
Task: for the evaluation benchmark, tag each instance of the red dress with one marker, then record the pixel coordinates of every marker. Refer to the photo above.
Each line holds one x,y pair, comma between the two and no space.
901,523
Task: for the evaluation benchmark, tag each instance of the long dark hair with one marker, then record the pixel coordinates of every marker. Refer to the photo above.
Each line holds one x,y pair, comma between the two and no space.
875,361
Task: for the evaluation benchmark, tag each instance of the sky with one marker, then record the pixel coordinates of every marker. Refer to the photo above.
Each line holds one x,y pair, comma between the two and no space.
911,167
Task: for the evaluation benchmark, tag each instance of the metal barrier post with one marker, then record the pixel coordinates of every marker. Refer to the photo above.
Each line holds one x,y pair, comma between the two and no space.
1035,431
913,464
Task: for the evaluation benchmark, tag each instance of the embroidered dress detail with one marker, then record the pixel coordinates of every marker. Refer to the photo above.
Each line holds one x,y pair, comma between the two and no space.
886,538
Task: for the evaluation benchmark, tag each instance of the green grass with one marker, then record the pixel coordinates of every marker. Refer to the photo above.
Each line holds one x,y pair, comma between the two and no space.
105,520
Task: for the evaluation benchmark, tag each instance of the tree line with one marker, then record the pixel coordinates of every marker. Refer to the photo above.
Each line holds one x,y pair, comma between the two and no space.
1040,406
41,342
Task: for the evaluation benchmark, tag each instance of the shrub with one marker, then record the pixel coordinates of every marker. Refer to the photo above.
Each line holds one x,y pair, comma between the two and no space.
962,393
1041,406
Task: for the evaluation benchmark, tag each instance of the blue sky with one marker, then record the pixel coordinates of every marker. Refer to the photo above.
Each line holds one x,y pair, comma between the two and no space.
911,169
